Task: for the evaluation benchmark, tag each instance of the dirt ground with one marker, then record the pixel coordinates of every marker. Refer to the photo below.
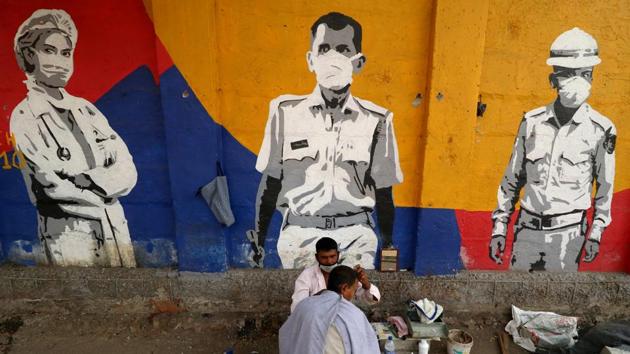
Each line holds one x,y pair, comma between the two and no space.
175,333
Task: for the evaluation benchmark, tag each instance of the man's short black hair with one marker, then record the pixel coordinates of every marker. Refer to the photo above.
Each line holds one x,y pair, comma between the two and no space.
338,21
326,244
341,275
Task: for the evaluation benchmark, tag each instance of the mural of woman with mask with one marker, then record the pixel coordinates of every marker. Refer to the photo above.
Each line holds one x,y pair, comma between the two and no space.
76,166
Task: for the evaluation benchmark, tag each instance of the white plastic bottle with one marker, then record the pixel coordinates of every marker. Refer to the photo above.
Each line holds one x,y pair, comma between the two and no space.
423,347
390,347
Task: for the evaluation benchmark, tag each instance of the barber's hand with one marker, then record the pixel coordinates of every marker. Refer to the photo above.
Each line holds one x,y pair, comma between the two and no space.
591,249
497,247
256,256
363,278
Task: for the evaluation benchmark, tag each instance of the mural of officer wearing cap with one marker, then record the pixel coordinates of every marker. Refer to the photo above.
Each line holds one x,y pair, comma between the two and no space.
560,150
328,158
76,166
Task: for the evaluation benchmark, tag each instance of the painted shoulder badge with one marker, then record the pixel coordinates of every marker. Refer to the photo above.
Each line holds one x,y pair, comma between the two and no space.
610,141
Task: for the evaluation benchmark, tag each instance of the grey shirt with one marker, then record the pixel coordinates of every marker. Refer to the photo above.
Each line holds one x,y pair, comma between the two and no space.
328,163
555,166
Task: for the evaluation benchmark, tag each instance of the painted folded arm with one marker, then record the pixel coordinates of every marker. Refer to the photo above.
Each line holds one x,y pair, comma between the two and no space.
48,171
116,175
604,177
511,184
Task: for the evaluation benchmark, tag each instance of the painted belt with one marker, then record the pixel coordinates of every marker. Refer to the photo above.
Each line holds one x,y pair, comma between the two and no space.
329,222
549,222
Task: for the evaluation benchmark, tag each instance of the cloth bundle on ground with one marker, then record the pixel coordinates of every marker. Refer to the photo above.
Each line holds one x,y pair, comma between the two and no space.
399,325
613,334
546,330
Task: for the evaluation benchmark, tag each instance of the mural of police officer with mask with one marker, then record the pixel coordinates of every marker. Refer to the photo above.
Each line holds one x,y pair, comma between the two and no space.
328,159
560,150
76,166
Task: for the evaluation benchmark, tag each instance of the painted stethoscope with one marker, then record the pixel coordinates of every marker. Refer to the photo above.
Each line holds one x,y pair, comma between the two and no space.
63,153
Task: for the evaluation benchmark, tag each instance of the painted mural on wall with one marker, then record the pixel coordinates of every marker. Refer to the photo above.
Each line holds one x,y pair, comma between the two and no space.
328,159
76,166
179,105
560,151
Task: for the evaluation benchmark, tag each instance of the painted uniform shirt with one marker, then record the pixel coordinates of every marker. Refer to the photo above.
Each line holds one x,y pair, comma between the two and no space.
555,166
78,224
42,125
329,164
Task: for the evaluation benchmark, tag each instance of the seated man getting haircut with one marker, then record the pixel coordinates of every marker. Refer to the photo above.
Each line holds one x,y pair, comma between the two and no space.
315,278
328,322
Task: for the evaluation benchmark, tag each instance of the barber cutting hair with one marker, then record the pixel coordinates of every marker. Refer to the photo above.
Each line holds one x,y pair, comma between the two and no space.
314,279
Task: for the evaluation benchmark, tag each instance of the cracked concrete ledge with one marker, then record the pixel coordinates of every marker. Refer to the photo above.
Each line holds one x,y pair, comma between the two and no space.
268,292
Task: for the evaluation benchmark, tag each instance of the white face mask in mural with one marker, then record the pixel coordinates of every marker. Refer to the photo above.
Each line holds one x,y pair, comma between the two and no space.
333,69
52,58
574,91
328,268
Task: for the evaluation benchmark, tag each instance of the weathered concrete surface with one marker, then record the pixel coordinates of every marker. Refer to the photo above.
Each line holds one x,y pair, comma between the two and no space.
260,294
142,310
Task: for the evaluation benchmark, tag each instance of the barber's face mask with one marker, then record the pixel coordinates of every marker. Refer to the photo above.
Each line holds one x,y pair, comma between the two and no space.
333,69
574,91
327,268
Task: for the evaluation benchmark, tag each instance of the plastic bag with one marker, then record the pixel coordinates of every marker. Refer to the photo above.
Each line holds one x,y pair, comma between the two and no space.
535,329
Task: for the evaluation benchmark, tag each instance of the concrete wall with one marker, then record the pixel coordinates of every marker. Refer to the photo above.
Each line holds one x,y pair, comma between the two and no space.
592,296
186,84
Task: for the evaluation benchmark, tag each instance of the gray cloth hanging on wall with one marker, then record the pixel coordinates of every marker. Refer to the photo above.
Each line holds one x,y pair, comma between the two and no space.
217,196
